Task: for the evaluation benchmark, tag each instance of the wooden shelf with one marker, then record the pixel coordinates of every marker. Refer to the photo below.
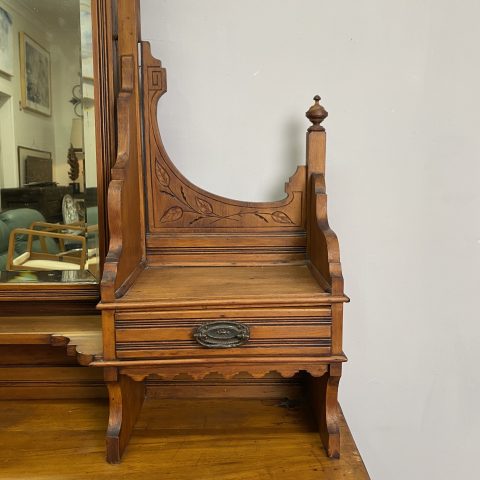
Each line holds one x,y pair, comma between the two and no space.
81,335
223,285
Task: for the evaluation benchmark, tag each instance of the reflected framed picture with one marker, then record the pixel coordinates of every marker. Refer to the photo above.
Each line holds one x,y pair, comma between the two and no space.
86,38
6,43
35,167
35,76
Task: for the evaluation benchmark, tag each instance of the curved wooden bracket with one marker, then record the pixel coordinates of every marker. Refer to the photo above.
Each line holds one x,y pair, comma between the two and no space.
126,399
323,393
86,347
81,336
126,249
323,247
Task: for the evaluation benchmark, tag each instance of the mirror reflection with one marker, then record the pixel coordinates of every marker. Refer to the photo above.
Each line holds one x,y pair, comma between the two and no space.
48,176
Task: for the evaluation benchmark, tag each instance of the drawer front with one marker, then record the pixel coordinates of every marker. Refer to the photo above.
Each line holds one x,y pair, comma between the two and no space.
220,336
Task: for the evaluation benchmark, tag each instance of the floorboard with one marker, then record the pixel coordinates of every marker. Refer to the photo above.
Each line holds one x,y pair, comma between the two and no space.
182,439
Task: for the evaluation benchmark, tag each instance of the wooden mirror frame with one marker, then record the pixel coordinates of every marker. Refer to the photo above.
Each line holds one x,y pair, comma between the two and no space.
41,298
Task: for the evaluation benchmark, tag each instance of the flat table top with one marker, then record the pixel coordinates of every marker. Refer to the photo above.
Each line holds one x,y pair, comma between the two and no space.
234,285
174,439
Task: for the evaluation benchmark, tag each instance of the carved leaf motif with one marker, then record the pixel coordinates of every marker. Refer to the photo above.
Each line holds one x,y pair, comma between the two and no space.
162,175
261,216
281,217
171,215
203,206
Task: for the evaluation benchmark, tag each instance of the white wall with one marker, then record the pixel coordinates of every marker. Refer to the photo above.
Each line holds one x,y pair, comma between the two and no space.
401,81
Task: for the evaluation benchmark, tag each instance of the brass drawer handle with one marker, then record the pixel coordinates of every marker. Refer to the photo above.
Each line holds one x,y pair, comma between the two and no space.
222,334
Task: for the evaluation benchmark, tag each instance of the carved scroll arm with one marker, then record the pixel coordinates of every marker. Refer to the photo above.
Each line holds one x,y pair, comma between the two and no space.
123,193
322,243
323,247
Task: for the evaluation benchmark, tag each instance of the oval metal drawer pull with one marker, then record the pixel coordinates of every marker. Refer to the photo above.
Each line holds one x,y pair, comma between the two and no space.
222,334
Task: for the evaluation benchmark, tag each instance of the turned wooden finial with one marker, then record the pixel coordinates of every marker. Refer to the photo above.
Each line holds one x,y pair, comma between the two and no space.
316,114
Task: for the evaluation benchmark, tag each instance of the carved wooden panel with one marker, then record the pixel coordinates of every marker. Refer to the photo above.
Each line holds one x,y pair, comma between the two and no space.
175,204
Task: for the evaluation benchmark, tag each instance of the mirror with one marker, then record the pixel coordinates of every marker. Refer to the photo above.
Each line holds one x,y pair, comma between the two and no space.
48,172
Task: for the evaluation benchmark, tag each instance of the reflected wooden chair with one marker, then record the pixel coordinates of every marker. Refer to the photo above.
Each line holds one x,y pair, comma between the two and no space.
67,254
64,259
196,284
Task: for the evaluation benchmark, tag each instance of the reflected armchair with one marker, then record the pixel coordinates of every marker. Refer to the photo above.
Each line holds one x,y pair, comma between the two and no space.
77,242
21,218
44,260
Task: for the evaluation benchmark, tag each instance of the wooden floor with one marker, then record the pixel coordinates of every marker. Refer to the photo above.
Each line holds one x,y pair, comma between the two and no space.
174,440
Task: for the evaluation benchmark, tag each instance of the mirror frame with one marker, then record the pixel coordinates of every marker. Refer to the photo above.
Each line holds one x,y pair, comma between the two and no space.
43,299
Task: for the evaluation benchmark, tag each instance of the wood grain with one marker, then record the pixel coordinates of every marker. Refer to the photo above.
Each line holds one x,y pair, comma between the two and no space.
231,285
173,440
52,382
271,386
133,318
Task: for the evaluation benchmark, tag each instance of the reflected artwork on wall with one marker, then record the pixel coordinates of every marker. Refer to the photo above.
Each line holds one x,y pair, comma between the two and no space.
6,43
86,39
34,166
35,76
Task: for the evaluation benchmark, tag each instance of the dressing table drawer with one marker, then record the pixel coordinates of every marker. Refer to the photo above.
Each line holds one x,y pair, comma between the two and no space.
194,337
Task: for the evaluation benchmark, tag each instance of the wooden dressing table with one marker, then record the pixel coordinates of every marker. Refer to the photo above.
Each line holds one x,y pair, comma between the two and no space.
196,288
196,284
